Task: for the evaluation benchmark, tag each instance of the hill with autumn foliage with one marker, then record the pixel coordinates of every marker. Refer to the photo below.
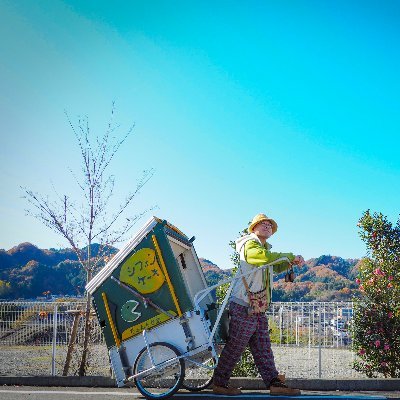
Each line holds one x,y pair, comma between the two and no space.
213,273
326,278
27,272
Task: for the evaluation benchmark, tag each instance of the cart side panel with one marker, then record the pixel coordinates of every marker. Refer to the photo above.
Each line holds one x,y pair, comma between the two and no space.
152,271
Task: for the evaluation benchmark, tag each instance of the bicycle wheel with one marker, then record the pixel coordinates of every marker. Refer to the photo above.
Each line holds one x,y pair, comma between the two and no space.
164,381
198,378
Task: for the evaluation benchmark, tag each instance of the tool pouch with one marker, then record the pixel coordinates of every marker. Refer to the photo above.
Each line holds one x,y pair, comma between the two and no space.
258,300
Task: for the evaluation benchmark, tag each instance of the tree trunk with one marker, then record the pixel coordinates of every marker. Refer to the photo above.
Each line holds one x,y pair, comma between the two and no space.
77,317
82,367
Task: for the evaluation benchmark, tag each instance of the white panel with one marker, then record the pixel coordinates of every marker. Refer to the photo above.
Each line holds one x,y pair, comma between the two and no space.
192,273
171,332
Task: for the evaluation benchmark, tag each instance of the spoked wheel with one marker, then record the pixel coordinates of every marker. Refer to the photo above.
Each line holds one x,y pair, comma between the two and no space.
163,381
196,377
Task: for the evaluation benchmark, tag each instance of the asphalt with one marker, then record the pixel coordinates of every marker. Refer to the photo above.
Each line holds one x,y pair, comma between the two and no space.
372,389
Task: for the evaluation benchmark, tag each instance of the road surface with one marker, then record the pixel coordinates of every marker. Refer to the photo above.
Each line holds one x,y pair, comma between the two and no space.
84,393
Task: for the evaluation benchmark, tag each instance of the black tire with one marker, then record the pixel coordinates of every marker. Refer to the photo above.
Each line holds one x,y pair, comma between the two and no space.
164,383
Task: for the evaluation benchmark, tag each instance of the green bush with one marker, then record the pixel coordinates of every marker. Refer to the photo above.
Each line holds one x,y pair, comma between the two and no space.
376,325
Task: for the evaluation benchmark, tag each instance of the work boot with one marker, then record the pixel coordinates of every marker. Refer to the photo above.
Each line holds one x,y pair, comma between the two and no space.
282,378
228,391
279,388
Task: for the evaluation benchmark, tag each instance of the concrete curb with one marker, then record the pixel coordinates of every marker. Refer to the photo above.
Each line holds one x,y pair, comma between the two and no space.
72,381
244,383
325,384
347,384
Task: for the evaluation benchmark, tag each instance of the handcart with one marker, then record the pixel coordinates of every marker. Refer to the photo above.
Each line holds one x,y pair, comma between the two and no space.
161,323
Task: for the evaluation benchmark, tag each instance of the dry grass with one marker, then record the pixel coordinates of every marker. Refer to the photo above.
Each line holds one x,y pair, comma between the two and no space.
37,360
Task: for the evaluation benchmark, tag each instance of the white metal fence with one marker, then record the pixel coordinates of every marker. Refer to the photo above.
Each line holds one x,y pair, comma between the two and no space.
312,324
312,334
312,339
39,323
324,324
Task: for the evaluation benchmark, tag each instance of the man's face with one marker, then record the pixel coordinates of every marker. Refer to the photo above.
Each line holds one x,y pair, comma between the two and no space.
263,229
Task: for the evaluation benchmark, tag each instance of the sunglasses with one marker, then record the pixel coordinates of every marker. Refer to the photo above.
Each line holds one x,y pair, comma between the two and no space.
266,223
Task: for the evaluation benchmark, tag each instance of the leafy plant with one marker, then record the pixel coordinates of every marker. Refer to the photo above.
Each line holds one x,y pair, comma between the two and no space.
5,288
376,326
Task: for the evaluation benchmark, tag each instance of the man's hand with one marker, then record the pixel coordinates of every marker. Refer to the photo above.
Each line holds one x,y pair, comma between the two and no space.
299,260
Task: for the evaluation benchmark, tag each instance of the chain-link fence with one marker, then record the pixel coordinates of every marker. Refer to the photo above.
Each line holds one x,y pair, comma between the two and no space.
309,339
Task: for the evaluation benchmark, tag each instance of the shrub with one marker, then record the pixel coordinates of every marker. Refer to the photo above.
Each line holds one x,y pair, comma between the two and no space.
376,326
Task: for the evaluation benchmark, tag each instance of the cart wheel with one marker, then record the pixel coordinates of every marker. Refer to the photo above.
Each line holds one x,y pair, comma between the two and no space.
164,382
198,378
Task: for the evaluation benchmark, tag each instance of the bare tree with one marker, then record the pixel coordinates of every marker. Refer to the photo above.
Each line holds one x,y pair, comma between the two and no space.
88,220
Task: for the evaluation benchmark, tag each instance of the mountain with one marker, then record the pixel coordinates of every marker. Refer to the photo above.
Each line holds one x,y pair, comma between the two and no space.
25,252
213,273
27,272
326,278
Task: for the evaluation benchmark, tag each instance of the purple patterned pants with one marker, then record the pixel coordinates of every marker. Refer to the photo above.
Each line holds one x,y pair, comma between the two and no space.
246,330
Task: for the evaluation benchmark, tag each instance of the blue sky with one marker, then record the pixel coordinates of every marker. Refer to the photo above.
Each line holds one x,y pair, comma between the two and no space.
290,108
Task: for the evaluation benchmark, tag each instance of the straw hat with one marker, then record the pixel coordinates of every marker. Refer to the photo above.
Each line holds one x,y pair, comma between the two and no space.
262,217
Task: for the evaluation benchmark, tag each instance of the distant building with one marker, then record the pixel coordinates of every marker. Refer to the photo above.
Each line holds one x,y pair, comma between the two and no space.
346,313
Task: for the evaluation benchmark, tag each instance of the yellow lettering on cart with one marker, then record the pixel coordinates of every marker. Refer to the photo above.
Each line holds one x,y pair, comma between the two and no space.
142,271
148,324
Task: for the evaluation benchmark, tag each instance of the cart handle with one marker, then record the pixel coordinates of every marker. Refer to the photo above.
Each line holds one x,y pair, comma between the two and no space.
199,296
203,293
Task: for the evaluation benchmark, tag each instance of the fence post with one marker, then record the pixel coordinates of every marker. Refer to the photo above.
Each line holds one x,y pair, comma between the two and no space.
53,357
319,345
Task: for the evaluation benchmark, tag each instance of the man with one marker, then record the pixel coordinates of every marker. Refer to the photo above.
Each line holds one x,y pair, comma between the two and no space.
249,325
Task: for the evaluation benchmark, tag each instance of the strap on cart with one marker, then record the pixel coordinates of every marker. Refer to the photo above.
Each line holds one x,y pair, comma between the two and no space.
145,300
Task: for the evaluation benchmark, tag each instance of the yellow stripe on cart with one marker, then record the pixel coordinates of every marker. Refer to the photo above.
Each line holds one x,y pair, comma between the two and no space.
110,320
164,268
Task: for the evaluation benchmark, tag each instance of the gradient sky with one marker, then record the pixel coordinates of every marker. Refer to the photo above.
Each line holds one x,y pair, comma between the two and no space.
290,108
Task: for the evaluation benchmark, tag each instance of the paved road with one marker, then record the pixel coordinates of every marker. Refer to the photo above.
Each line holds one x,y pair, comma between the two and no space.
46,393
82,393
